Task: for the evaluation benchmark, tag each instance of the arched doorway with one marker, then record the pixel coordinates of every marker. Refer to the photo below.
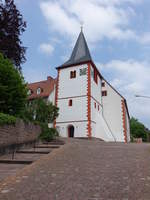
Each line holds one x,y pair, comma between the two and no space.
70,131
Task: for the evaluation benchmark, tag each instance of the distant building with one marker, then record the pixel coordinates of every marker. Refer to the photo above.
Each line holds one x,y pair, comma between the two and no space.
88,105
42,89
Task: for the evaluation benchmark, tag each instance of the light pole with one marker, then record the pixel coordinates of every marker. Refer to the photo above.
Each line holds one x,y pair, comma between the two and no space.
141,96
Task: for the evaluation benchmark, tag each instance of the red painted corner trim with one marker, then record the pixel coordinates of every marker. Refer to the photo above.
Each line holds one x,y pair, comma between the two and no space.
89,133
124,120
56,94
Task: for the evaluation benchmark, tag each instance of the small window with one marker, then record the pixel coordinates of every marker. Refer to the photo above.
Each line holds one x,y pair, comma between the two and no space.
70,102
95,104
39,91
104,93
103,84
73,74
29,92
98,107
95,76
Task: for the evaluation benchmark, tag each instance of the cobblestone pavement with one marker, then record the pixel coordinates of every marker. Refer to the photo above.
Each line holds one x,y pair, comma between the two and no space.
11,169
84,170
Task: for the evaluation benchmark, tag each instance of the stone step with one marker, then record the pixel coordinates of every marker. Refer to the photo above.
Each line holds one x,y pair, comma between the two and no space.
16,162
33,152
47,146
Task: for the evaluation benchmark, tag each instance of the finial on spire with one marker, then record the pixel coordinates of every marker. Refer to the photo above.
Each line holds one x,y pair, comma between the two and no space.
82,26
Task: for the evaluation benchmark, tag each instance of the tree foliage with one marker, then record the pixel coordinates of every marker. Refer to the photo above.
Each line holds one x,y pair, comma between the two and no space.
138,130
44,113
41,111
11,28
13,91
48,134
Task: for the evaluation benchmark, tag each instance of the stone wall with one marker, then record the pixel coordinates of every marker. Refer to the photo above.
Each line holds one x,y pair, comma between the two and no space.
19,133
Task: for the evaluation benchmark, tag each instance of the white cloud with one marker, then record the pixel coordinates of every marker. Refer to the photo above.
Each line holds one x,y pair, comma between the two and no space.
108,19
102,18
131,77
46,48
145,38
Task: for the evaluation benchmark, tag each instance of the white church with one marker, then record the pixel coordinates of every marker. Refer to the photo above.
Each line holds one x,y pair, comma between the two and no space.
88,105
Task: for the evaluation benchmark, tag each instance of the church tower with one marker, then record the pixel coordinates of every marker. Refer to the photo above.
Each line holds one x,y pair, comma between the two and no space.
88,105
73,92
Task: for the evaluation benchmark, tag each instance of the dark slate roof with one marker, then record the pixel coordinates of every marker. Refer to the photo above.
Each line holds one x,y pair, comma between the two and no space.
80,52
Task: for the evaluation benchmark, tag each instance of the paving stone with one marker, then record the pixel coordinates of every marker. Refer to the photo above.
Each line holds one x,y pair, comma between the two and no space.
85,170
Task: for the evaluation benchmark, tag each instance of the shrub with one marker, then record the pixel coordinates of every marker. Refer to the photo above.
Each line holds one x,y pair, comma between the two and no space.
7,119
48,134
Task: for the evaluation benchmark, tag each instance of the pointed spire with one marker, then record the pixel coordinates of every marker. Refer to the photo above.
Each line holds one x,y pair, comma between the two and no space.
80,52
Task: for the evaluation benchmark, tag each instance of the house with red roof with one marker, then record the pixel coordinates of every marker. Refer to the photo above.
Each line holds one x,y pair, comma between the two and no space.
42,89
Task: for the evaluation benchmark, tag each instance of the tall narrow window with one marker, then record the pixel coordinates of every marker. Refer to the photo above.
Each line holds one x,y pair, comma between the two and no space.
95,76
95,104
104,93
70,102
73,74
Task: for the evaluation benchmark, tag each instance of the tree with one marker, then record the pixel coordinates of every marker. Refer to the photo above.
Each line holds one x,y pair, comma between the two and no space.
11,28
138,130
41,111
44,113
13,90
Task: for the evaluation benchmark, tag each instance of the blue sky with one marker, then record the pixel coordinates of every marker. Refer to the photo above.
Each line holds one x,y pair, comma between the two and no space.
117,33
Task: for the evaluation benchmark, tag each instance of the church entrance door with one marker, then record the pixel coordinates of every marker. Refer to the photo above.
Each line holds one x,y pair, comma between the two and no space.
71,131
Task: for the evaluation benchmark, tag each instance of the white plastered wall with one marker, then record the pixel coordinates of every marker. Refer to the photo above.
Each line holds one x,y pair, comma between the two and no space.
79,129
112,112
75,89
72,87
99,126
76,112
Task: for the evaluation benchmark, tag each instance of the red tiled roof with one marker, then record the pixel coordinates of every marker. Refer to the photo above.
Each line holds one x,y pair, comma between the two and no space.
46,86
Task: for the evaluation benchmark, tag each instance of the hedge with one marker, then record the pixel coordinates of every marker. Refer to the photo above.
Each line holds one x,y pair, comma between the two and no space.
7,119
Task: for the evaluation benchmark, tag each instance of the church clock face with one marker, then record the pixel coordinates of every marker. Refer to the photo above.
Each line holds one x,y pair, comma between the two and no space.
83,71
